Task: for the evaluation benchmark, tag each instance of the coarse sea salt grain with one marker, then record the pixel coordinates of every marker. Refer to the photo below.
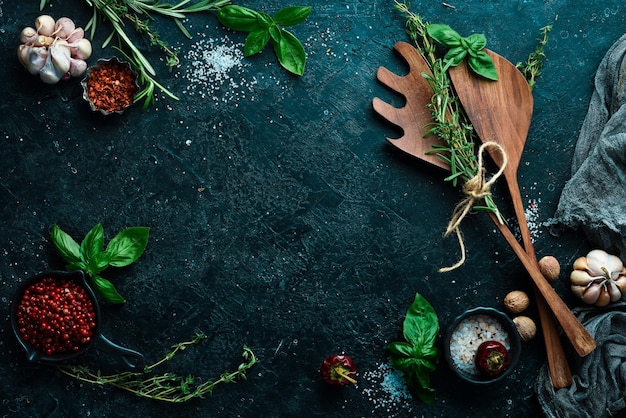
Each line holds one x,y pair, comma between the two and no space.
470,333
387,391
215,71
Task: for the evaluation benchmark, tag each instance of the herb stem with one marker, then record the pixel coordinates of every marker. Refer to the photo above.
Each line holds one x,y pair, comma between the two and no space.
167,387
449,120
117,11
534,64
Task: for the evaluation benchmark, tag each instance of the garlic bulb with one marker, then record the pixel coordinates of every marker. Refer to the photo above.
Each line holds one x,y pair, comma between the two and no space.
599,278
54,50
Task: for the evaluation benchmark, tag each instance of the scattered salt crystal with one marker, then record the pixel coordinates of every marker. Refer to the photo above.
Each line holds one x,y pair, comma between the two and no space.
386,389
532,218
215,71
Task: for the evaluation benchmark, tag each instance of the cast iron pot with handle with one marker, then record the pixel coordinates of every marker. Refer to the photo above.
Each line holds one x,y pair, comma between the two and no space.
130,359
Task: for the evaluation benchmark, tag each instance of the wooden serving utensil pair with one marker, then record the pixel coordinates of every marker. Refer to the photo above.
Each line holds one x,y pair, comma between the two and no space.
500,112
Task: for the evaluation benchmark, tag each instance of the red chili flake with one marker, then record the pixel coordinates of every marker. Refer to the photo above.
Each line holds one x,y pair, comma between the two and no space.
111,87
56,316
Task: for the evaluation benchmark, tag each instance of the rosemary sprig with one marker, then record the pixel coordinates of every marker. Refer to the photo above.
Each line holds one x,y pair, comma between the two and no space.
533,65
449,121
167,387
117,12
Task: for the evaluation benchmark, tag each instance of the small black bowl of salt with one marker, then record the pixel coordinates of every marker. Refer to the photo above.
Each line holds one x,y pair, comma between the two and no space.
473,328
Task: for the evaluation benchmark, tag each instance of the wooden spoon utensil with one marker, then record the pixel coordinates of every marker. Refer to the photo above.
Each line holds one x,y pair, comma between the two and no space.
501,112
417,93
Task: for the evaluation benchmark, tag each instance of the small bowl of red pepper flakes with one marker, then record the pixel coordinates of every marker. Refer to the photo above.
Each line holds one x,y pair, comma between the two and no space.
110,86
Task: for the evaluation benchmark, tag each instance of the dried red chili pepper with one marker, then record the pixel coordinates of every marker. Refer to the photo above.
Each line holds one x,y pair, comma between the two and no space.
492,358
338,370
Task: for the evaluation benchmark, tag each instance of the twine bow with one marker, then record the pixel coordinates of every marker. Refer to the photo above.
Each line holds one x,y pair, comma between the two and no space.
475,189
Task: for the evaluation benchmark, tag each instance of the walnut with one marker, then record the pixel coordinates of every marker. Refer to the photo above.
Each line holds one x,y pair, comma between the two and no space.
516,301
526,327
550,268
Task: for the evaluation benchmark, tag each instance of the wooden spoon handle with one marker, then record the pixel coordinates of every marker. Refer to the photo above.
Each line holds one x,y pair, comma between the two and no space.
577,334
560,373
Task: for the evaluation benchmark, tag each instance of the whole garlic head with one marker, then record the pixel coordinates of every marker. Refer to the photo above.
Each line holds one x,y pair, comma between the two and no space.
54,50
599,278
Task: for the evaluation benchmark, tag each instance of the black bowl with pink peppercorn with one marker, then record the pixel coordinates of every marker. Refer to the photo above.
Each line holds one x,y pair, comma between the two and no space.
482,346
56,317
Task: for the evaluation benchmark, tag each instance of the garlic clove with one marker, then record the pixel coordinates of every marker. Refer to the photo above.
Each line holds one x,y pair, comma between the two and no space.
620,282
60,55
28,35
36,59
592,293
581,264
44,25
578,291
614,291
604,298
76,35
49,74
43,40
64,27
81,49
580,277
77,67
23,52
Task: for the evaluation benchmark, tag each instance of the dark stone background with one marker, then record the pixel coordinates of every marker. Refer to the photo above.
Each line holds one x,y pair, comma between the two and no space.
279,216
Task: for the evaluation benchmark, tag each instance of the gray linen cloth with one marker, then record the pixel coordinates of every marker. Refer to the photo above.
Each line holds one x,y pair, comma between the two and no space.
598,389
594,201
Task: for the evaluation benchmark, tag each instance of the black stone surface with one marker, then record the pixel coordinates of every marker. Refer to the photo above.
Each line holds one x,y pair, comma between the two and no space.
279,216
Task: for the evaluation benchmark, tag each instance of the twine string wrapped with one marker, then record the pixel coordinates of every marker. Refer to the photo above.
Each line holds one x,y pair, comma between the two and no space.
475,189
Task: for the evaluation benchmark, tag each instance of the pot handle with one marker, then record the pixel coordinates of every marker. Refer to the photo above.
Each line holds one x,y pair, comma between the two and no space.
132,359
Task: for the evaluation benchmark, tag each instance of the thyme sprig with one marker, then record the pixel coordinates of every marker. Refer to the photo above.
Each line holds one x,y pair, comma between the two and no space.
534,64
449,121
138,13
167,387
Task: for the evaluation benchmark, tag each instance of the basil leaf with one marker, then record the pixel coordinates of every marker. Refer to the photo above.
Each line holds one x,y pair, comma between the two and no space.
275,33
455,56
127,246
401,349
106,289
476,41
255,42
405,364
92,243
290,52
97,263
444,34
425,393
65,245
77,265
241,18
483,65
421,325
290,16
418,356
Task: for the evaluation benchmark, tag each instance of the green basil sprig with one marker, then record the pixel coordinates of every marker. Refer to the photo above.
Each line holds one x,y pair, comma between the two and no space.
261,27
124,249
417,357
472,47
